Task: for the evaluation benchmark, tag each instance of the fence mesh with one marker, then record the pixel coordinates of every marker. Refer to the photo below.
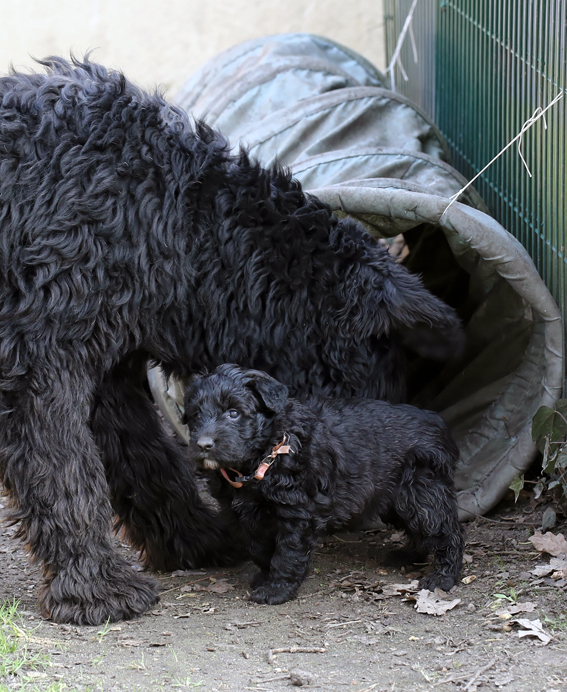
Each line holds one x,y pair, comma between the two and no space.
484,67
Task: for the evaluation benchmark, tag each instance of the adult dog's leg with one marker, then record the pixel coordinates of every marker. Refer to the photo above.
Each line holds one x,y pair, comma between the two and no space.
152,485
59,497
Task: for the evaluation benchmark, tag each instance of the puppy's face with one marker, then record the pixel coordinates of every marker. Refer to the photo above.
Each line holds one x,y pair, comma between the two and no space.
230,415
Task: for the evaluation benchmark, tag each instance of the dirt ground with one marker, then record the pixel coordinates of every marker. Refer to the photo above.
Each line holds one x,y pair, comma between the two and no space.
344,632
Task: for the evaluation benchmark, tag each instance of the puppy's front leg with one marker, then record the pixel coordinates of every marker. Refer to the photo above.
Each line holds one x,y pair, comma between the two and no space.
289,563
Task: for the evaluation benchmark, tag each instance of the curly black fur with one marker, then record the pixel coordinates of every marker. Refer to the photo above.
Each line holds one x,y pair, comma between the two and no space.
350,459
127,234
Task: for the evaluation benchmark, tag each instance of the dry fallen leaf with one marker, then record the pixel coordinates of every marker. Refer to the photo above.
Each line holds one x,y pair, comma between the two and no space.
533,628
469,579
559,566
396,538
554,544
542,570
556,565
434,603
503,680
220,586
360,584
400,589
527,607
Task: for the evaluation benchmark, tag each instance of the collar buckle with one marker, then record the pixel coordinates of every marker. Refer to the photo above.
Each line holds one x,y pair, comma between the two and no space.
281,448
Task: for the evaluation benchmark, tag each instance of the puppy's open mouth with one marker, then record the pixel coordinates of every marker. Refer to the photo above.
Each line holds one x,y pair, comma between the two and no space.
211,464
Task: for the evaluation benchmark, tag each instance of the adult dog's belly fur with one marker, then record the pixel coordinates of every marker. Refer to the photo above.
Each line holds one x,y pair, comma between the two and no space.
126,233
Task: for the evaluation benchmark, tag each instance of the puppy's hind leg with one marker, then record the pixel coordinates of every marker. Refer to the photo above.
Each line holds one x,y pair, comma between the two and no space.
152,486
427,507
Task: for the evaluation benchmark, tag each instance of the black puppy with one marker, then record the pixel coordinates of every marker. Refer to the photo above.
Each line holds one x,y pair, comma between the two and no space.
291,471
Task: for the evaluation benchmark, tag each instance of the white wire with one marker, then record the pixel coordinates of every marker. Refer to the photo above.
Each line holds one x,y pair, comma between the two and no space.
525,127
396,56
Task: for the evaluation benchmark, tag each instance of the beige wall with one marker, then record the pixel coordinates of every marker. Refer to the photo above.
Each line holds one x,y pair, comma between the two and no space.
163,42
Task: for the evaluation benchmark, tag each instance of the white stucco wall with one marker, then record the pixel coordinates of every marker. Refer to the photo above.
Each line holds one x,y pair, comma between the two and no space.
161,42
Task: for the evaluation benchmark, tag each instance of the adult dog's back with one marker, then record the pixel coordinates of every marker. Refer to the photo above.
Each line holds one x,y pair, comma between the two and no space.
128,234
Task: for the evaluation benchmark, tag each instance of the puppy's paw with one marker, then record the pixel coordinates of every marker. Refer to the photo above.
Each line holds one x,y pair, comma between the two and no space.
272,594
101,593
433,581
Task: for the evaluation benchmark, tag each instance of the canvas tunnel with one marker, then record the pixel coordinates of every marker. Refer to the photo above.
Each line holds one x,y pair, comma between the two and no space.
368,152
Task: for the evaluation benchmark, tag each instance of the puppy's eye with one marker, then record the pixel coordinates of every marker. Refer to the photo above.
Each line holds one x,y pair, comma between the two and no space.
233,413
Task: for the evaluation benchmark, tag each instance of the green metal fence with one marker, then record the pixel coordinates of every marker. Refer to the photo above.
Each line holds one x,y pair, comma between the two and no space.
484,66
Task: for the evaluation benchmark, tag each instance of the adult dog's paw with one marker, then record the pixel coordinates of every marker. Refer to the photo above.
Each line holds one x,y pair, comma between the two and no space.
100,593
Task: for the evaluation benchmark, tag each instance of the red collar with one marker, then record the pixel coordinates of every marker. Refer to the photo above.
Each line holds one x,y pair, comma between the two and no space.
281,448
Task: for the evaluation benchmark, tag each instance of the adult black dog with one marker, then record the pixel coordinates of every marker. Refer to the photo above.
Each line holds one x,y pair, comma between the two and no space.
301,469
126,234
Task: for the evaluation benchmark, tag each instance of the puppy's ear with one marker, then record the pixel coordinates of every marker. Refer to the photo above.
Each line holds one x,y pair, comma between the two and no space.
190,384
273,394
195,377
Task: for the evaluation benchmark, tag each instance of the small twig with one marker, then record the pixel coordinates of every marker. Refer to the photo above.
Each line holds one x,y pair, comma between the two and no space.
342,540
492,521
315,593
367,689
340,624
451,678
163,577
479,672
286,676
343,635
174,588
252,623
294,650
300,650
161,593
419,669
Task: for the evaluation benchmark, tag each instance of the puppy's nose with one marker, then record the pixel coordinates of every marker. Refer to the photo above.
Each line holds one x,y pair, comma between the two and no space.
205,443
